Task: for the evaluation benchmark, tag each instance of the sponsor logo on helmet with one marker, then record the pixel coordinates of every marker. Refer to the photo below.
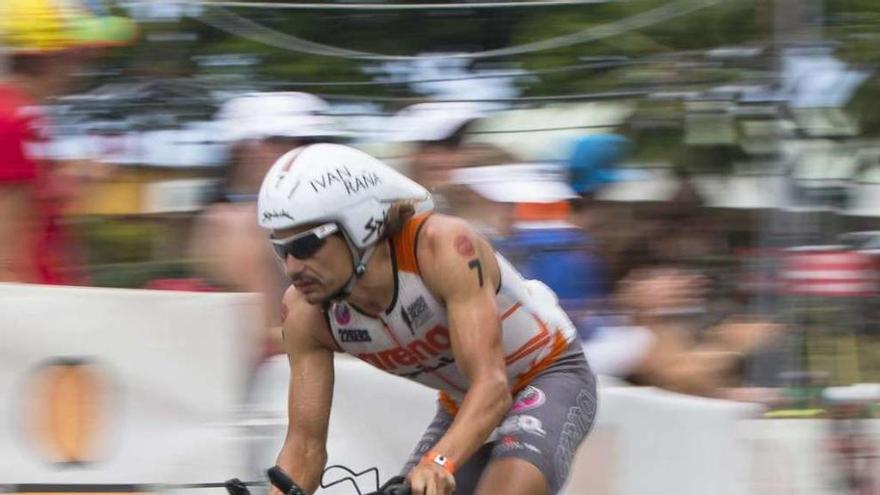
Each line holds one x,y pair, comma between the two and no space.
530,398
272,215
343,177
373,228
342,313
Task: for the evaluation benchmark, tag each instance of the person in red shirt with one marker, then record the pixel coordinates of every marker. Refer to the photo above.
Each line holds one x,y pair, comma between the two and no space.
45,40
30,196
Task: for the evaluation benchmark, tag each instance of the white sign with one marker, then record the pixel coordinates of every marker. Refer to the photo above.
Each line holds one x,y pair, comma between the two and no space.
122,386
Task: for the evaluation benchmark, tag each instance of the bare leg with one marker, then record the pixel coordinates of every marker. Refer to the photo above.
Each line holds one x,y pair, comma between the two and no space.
512,476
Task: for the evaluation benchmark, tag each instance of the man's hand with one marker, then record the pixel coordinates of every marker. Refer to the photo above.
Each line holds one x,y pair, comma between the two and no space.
430,479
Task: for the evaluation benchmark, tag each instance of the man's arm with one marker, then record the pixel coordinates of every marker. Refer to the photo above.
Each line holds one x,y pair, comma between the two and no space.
304,453
461,269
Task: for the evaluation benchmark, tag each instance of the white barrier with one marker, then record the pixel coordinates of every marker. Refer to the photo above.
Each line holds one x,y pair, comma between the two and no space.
147,387
796,456
649,441
645,442
127,386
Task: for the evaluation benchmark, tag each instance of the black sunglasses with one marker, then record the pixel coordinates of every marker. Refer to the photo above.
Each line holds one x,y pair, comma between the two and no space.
304,245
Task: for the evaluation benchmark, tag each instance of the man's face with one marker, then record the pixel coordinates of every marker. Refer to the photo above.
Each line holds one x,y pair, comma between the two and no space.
319,274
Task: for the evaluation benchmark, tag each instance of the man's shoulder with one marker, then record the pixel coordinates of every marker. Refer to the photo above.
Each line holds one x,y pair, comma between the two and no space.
451,252
420,234
439,226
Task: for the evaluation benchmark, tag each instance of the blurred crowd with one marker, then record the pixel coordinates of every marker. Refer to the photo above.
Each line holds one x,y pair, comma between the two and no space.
642,282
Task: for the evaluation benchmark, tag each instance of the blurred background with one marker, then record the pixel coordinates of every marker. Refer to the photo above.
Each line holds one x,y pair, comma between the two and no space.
698,180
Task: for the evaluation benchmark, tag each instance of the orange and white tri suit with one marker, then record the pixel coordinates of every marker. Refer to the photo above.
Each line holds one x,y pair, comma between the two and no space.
554,391
411,338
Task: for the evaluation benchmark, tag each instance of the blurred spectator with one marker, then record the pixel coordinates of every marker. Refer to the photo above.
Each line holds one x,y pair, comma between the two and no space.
649,330
594,160
560,241
535,233
230,249
649,336
47,41
681,228
554,250
593,164
465,190
435,131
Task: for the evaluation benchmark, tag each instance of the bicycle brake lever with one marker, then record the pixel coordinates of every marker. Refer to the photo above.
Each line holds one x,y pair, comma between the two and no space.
236,487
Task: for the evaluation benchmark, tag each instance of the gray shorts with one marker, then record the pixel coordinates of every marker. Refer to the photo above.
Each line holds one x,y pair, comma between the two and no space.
547,422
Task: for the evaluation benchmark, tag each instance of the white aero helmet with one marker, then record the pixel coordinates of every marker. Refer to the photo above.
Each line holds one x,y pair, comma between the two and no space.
325,182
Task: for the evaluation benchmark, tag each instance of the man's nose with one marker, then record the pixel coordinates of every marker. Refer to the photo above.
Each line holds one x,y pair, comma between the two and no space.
293,266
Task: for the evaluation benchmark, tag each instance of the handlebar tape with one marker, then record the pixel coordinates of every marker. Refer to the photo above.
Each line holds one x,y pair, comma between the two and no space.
401,489
395,486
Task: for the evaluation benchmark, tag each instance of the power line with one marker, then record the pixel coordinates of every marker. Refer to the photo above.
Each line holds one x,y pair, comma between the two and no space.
508,131
494,75
397,6
635,93
245,28
543,129
522,99
605,63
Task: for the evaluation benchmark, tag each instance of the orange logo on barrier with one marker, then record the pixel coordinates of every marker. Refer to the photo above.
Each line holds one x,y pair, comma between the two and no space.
64,410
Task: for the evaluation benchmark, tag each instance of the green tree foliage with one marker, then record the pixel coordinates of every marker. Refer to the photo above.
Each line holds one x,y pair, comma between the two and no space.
728,23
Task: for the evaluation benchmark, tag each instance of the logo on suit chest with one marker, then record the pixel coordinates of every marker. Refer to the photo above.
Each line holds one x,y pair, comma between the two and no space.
354,335
342,314
416,314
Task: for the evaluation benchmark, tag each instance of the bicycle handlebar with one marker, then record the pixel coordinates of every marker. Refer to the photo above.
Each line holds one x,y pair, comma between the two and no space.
280,479
396,489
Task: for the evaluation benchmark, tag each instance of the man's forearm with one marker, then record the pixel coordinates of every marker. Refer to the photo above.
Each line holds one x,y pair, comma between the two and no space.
482,409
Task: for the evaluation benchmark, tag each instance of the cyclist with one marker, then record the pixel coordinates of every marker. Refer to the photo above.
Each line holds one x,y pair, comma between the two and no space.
375,274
